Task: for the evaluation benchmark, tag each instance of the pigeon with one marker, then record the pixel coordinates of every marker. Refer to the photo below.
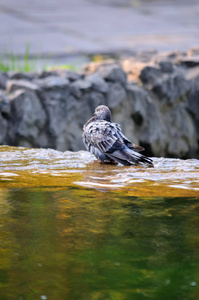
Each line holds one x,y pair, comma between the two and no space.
108,144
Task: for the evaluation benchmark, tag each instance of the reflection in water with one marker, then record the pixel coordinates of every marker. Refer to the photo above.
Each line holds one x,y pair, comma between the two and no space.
86,244
66,240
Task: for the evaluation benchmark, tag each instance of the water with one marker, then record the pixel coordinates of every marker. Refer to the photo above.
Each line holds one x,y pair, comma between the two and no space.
71,228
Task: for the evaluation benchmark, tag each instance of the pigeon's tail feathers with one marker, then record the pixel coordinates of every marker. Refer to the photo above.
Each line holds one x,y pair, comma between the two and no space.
140,158
124,162
128,157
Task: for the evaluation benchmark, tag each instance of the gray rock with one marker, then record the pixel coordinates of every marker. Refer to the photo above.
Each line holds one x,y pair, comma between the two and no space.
87,105
171,88
181,133
116,94
150,75
161,115
4,105
22,76
189,62
172,55
193,104
3,131
52,82
193,51
145,56
139,102
192,74
166,66
169,134
3,80
98,83
82,84
14,85
74,136
45,74
29,118
4,114
70,75
60,107
75,91
112,72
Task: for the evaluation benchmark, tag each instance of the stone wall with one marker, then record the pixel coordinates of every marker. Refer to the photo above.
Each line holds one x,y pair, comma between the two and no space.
155,98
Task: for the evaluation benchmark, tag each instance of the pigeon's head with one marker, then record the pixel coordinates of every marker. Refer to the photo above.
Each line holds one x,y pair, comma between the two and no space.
102,112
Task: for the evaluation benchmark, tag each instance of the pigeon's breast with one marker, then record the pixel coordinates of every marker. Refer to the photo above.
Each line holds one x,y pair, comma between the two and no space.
97,131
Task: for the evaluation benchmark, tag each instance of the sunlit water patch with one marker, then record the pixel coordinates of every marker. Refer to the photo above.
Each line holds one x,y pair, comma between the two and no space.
72,228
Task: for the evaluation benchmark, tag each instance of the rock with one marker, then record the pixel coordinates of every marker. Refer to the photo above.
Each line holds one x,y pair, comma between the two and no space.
139,101
4,105
145,56
112,72
192,73
171,88
74,136
29,119
52,82
193,105
87,105
4,113
13,85
98,83
150,75
45,74
75,91
3,131
93,66
60,107
82,84
70,75
116,94
193,51
189,62
170,134
181,133
172,56
132,68
159,110
22,76
166,66
3,80
140,119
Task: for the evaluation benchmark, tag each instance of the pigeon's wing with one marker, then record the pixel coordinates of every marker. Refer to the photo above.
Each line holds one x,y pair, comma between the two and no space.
101,135
127,141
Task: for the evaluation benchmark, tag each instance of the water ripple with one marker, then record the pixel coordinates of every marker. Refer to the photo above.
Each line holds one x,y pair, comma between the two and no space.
81,169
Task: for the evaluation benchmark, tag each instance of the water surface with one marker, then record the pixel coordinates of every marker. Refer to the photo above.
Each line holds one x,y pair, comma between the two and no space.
71,228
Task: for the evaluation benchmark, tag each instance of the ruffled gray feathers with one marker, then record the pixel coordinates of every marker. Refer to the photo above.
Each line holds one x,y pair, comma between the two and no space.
106,141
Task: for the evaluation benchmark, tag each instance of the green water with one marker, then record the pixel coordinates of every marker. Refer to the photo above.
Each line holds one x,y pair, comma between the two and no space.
73,229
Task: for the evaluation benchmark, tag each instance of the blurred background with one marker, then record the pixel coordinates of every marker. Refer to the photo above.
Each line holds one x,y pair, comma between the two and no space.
70,31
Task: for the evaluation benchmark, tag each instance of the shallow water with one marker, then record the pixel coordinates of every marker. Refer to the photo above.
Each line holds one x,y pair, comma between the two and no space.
71,228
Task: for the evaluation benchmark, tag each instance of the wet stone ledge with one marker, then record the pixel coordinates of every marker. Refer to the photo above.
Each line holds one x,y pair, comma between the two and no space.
154,96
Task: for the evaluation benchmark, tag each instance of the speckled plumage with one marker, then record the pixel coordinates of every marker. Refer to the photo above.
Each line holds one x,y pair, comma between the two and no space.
106,141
